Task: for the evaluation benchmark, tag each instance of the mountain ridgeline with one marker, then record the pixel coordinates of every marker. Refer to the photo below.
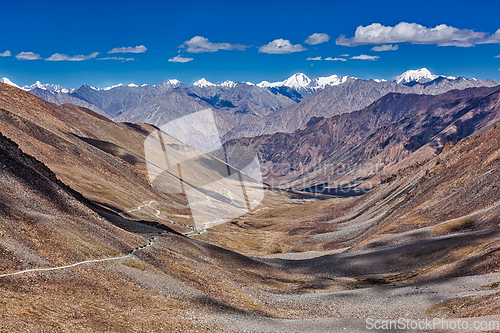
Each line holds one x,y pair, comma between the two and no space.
246,109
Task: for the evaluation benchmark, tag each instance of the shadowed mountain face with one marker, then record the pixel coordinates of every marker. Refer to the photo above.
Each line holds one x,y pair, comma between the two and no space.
351,149
114,101
39,213
101,159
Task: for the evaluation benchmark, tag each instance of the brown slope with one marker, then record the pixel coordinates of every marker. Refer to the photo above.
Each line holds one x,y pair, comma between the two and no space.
418,136
436,220
101,159
39,214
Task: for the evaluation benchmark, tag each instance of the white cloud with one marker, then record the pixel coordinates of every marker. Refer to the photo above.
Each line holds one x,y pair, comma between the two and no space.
180,59
385,47
5,54
442,35
117,58
498,56
137,49
65,57
365,57
28,56
199,44
316,58
335,59
317,39
281,46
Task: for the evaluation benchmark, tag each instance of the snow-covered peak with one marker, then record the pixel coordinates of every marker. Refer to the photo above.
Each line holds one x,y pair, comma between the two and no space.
132,85
265,84
421,75
203,83
174,82
54,88
228,84
9,82
111,87
332,80
298,80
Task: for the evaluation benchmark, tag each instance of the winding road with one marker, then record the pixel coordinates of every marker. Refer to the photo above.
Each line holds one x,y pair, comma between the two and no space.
142,247
158,213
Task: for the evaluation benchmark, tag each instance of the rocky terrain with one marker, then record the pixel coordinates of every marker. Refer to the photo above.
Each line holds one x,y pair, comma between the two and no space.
423,243
354,150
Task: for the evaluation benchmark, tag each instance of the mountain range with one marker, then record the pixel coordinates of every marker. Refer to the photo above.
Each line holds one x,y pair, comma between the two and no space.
346,151
248,109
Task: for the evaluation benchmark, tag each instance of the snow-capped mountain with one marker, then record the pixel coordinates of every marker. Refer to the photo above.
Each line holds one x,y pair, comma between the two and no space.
245,99
131,85
226,84
54,88
322,82
9,82
422,75
203,83
296,81
304,85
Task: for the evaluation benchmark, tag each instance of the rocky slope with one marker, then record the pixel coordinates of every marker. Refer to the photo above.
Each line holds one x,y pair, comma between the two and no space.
348,150
86,151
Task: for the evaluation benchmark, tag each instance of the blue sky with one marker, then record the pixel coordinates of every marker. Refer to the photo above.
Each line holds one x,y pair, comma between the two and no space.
226,40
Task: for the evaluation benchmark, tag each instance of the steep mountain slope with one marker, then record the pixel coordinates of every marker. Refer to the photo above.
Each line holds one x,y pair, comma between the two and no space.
88,152
351,148
432,221
46,225
39,213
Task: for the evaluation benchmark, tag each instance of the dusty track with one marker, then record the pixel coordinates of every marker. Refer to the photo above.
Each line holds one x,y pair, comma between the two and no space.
150,242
